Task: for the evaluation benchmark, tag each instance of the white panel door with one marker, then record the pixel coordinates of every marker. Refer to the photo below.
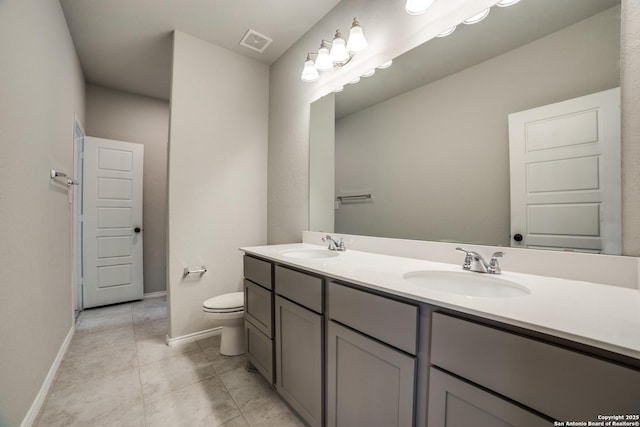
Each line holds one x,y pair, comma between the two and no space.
566,175
112,228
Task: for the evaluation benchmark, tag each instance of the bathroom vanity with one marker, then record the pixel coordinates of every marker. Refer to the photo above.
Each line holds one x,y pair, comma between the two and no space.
347,340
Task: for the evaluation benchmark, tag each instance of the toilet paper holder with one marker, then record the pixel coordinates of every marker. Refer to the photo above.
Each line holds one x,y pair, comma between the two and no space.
186,272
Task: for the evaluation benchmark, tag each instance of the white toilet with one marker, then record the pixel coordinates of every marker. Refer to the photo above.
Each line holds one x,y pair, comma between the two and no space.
228,311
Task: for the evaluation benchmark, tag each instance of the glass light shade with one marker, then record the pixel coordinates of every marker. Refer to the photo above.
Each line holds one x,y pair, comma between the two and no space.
385,65
339,49
338,90
417,7
477,17
357,43
354,81
369,73
447,32
309,72
506,3
323,60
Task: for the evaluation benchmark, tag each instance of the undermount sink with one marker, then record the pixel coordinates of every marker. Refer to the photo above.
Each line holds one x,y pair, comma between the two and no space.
309,253
467,283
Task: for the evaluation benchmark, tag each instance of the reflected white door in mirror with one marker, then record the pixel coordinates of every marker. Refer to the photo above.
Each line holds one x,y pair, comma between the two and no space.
565,175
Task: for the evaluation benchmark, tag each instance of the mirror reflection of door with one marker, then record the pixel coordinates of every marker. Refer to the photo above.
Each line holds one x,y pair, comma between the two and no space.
565,175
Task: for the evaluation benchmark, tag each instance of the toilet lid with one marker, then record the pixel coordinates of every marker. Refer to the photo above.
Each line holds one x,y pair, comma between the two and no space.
226,302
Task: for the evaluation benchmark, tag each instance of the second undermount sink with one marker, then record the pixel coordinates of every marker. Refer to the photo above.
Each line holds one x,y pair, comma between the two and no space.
466,283
309,253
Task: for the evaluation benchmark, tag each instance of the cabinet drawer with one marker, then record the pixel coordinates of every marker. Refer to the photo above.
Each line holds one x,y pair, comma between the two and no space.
453,402
563,384
390,321
258,271
302,288
259,351
257,307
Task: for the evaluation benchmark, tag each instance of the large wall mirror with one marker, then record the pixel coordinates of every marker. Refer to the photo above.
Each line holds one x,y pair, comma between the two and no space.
428,138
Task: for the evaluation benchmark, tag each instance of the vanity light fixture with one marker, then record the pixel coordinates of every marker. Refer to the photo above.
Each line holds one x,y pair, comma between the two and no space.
417,7
309,72
323,60
334,54
477,17
357,42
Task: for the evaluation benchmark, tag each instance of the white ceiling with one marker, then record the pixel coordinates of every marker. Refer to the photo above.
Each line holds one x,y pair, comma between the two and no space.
126,44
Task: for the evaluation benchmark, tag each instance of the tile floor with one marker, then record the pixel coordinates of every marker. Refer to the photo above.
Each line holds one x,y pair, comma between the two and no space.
118,371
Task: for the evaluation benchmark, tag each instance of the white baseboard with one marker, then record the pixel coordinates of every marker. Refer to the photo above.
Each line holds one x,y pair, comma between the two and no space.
36,406
174,342
154,295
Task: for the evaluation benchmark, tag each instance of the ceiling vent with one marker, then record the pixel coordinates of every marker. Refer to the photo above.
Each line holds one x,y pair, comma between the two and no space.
255,41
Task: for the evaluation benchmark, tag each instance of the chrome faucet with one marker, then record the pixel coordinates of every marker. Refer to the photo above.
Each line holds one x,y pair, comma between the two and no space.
333,245
473,261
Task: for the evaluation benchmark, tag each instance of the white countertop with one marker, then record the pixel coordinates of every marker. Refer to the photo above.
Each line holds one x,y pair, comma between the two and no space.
602,316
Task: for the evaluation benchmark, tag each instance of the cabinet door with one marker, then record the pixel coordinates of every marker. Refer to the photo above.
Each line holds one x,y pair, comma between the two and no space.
368,383
259,350
299,359
556,381
456,403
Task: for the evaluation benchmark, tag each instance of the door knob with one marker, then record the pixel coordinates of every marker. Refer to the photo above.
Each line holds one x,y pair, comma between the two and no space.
137,229
517,237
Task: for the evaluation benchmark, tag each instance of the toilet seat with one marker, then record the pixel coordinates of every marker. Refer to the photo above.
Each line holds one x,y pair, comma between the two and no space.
227,311
227,303
217,310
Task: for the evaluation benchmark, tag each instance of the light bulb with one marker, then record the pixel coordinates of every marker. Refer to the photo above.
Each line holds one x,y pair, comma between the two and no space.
417,7
357,43
477,17
338,48
506,3
447,32
323,60
309,72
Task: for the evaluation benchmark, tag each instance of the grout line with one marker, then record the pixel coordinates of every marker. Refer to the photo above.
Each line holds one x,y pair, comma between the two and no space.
135,346
198,380
242,414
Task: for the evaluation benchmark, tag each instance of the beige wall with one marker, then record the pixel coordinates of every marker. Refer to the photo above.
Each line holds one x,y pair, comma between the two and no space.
133,118
41,86
435,156
217,174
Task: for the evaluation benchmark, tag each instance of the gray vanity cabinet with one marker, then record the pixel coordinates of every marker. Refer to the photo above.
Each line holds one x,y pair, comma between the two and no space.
552,380
258,313
299,341
457,403
371,359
